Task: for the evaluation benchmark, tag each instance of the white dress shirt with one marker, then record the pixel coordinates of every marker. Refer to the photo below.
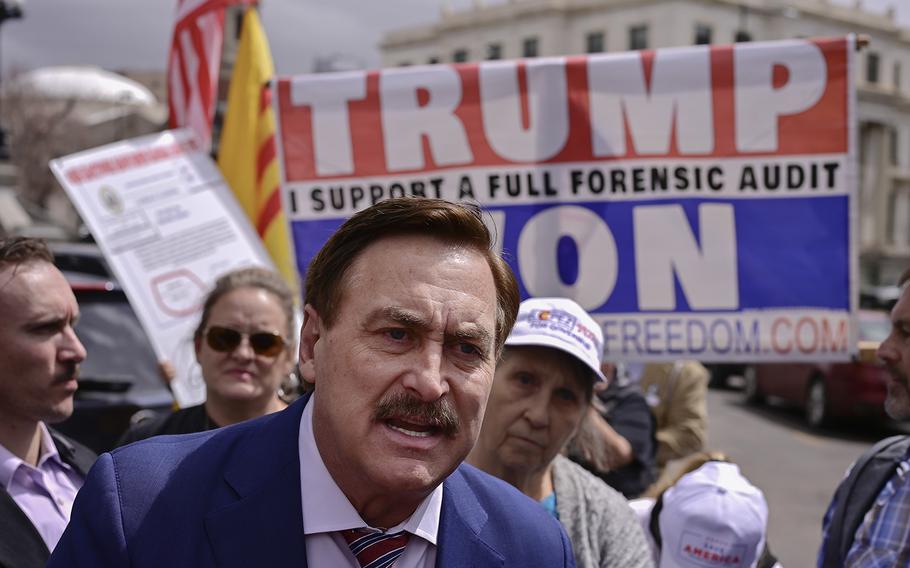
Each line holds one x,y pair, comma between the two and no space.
326,510
44,493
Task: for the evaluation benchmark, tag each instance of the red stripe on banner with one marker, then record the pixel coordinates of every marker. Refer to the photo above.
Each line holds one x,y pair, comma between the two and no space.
264,158
184,80
173,62
823,128
202,73
267,148
269,212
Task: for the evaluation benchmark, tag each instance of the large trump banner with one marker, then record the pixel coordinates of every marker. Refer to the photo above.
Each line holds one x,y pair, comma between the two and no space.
697,201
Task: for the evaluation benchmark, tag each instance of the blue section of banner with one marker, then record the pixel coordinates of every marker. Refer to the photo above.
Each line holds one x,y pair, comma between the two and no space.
791,252
794,253
309,236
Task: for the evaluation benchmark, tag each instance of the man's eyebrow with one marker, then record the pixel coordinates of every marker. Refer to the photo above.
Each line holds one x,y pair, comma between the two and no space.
474,333
402,316
410,319
46,321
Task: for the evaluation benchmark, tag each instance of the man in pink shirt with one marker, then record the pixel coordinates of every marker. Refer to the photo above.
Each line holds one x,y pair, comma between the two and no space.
40,471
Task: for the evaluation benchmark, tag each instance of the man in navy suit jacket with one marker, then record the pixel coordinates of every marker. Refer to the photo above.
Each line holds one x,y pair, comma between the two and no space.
407,309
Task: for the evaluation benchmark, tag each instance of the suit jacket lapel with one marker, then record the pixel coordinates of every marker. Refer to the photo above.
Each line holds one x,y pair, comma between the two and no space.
75,455
260,522
461,522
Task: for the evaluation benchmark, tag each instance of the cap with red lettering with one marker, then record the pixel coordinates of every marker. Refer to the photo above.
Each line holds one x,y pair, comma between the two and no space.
712,517
561,324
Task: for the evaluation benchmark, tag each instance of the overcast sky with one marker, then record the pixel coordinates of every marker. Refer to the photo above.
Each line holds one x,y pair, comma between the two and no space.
135,34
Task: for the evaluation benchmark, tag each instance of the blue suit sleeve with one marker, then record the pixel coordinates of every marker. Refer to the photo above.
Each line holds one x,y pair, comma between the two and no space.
94,537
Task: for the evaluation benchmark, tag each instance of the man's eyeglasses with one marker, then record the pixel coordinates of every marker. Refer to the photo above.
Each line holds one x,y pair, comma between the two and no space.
225,340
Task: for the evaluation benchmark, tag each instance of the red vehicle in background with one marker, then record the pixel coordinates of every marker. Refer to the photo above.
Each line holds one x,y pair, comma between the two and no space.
827,391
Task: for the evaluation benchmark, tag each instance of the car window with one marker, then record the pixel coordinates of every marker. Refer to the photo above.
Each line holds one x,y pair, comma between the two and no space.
116,345
874,328
84,263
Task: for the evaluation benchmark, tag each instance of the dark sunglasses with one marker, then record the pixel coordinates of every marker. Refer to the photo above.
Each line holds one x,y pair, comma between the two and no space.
225,340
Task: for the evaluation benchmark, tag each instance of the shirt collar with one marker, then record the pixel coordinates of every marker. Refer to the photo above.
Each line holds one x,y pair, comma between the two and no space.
48,448
327,509
10,462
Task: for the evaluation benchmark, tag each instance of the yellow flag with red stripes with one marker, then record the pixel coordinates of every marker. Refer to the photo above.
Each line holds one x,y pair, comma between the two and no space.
246,154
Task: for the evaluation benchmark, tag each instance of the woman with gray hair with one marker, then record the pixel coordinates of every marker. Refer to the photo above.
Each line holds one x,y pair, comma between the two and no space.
541,391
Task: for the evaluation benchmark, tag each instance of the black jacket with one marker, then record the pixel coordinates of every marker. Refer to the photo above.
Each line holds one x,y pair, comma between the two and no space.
625,410
628,413
184,421
21,546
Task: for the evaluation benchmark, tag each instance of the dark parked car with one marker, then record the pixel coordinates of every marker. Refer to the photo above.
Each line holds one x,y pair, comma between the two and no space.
829,390
118,381
721,373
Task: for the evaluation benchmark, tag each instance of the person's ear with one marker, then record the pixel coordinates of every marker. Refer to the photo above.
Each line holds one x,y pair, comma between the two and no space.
310,333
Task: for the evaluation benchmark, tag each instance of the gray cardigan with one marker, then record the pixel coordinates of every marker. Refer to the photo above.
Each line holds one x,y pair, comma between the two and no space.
602,528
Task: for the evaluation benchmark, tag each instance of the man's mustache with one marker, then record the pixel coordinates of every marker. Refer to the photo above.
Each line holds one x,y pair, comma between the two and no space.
439,414
898,375
69,371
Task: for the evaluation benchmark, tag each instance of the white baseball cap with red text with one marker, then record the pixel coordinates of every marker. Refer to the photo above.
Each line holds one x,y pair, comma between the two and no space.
562,324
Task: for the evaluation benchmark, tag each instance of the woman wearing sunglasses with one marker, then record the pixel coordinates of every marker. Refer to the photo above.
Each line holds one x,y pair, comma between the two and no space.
244,344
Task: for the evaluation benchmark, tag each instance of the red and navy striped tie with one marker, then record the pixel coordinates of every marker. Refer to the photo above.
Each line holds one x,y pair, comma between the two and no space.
375,549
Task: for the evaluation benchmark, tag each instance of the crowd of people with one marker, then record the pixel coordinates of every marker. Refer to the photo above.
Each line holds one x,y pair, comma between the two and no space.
444,423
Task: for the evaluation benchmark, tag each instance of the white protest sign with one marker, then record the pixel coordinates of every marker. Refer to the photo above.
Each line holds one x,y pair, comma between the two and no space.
169,226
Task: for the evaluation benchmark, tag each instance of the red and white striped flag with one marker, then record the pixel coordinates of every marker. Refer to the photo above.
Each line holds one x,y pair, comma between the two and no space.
194,63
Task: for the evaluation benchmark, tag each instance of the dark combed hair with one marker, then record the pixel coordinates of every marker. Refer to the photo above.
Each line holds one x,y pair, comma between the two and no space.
259,278
21,250
449,222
